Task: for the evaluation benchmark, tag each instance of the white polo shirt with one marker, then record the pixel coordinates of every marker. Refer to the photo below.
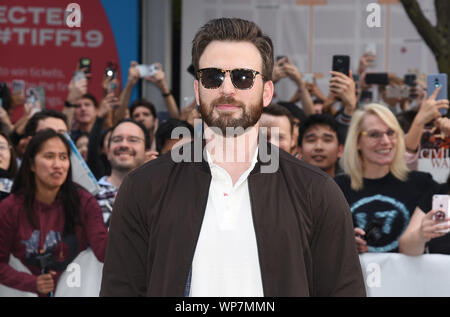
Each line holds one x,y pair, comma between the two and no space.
226,262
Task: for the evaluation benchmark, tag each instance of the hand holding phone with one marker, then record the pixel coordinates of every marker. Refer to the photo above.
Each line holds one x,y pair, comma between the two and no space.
442,205
282,57
435,81
85,64
78,75
111,70
148,70
18,87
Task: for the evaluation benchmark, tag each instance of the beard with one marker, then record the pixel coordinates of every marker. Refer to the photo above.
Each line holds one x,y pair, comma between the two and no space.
122,166
249,114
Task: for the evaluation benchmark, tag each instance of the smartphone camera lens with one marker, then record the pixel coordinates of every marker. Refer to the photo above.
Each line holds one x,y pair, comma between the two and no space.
436,83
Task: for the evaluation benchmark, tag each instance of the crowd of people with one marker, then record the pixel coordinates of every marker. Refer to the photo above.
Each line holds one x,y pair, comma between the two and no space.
369,147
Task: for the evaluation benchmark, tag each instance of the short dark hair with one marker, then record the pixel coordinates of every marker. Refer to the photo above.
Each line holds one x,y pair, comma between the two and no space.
279,111
143,103
140,125
234,29
164,131
295,110
91,97
33,122
319,119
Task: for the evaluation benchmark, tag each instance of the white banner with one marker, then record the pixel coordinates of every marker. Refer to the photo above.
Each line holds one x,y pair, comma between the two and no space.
385,275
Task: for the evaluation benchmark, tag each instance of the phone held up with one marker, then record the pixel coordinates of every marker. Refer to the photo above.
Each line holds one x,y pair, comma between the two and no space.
377,78
441,203
434,81
341,63
111,70
85,64
147,70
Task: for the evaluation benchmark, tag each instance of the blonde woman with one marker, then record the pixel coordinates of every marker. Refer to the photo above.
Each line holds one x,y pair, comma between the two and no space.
381,191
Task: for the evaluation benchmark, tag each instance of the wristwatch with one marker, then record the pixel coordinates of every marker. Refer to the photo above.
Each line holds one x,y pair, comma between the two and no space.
167,94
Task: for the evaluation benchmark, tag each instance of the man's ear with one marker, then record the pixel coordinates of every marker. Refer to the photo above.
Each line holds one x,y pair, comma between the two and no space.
268,93
299,151
197,99
293,141
340,150
150,155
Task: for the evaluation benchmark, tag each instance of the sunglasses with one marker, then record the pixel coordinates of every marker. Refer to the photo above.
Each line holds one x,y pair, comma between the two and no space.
212,78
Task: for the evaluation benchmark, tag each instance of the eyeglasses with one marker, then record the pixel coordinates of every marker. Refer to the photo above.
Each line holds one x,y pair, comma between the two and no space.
130,139
212,78
378,135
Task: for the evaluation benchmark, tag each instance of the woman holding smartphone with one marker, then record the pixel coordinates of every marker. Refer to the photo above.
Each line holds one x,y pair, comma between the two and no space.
381,191
47,220
428,228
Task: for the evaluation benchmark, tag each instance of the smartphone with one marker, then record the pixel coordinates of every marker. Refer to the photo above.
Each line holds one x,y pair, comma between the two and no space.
78,75
111,71
377,78
441,202
410,79
18,87
341,63
40,94
280,57
308,78
112,87
371,49
85,62
435,81
397,91
366,96
31,98
148,70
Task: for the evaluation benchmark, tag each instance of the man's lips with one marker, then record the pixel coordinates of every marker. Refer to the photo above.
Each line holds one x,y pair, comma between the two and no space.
227,107
318,157
124,153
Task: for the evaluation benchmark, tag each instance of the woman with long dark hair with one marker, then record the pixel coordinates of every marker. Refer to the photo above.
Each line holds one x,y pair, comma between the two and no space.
47,220
8,164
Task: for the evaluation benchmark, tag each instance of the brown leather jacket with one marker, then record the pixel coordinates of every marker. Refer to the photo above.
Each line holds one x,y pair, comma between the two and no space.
302,222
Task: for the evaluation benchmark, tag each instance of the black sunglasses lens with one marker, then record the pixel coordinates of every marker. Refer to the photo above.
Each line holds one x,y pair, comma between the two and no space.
242,78
212,77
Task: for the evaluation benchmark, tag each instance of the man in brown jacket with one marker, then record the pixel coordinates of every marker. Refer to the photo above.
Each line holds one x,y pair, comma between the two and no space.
234,216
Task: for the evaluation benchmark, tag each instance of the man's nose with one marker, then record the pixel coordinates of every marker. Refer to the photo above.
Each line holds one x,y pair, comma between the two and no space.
227,88
318,145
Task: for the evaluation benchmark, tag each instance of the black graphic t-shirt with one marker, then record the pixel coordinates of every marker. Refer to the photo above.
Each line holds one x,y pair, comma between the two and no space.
386,205
442,244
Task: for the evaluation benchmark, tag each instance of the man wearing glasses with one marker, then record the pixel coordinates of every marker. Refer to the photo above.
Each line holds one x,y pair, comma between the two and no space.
224,225
128,148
